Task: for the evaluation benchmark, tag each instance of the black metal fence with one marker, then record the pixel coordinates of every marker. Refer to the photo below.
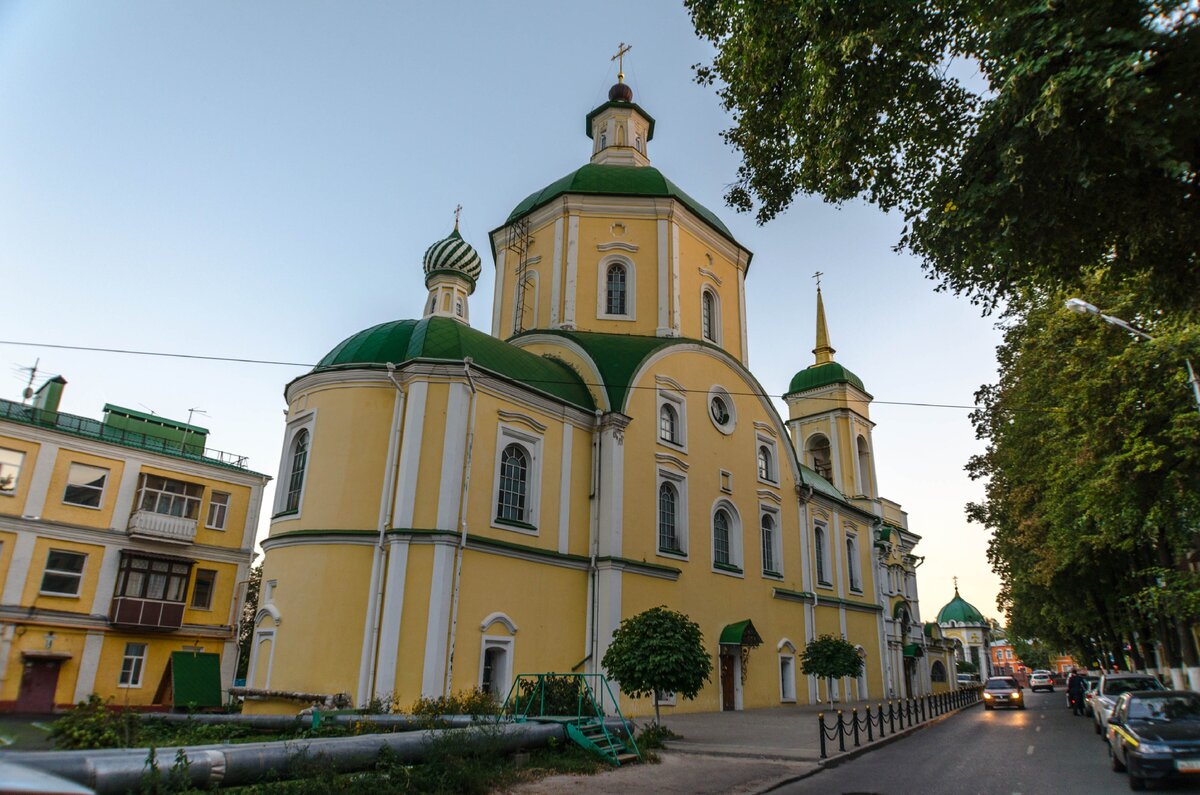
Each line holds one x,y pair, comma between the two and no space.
880,720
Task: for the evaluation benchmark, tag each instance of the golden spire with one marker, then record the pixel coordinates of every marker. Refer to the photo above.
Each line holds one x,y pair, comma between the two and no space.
622,48
824,350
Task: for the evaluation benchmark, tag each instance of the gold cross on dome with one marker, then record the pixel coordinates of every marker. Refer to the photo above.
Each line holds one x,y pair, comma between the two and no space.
818,276
622,48
457,213
955,583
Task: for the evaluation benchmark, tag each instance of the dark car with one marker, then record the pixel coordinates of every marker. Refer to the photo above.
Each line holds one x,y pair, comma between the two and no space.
1155,735
1002,691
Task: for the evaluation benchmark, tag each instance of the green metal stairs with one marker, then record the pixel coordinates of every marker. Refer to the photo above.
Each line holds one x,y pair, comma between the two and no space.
580,702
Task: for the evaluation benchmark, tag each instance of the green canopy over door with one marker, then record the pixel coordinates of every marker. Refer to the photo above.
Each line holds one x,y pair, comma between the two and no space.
742,633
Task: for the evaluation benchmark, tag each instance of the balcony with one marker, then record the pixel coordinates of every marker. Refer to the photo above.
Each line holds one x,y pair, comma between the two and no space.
129,611
162,527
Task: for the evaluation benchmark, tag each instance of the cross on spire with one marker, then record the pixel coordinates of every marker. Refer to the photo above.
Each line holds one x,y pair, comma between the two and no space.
955,584
622,48
818,276
457,213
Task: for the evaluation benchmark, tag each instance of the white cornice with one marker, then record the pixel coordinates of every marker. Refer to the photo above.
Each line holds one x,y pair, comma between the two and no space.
667,458
513,416
118,539
616,245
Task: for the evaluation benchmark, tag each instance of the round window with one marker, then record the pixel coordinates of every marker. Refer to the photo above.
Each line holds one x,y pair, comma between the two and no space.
720,411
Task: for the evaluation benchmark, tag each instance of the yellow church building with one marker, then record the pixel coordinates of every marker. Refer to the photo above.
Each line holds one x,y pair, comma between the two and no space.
457,507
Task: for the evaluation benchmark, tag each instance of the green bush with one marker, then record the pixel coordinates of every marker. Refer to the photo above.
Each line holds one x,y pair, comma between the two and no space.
92,724
476,701
556,695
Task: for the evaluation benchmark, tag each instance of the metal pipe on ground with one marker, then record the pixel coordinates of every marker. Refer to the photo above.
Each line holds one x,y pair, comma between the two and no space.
285,722
123,770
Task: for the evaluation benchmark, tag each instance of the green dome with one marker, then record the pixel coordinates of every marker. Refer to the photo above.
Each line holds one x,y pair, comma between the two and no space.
823,375
444,339
960,610
598,179
453,254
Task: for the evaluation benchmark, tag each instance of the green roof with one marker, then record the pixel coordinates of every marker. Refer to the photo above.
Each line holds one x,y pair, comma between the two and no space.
742,633
820,484
606,180
960,610
824,375
109,408
913,650
444,339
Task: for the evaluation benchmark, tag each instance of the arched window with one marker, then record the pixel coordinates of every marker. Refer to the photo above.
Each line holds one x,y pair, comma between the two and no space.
603,140
637,143
852,567
819,456
766,467
721,537
864,467
668,424
768,543
937,672
708,315
458,307
822,568
668,518
514,484
615,296
299,465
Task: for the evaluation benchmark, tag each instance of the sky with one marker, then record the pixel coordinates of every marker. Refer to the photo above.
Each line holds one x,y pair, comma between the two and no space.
260,181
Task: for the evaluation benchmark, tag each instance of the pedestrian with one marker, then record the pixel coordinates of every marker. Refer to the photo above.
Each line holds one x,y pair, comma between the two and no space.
1076,684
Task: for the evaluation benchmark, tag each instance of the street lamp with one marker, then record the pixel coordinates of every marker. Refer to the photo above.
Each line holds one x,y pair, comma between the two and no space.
1081,307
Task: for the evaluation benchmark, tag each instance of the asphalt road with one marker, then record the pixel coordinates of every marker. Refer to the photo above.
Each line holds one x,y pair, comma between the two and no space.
1042,750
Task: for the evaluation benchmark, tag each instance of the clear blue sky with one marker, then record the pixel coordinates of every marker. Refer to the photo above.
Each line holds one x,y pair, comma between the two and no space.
261,179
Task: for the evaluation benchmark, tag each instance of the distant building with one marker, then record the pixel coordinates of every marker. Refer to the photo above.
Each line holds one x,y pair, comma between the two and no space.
963,625
123,542
1005,661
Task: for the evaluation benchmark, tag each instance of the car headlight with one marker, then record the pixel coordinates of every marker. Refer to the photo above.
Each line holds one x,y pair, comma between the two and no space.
1154,748
987,696
1016,695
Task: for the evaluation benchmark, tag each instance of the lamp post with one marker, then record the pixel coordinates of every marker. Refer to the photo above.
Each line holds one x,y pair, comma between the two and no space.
1081,307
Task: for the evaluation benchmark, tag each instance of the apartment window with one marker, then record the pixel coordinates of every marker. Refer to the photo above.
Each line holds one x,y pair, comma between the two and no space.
512,504
202,590
668,424
10,469
170,497
615,293
296,475
218,510
85,485
132,665
160,579
668,518
822,551
63,573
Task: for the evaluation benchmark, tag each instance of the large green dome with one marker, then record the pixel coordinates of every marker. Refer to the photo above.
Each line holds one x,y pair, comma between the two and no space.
599,179
823,375
444,339
960,610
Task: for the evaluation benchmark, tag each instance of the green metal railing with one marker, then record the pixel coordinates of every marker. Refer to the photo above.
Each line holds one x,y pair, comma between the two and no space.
582,701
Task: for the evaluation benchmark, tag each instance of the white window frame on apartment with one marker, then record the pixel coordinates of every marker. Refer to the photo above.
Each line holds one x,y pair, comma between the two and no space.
212,589
77,575
303,422
737,557
11,463
772,511
508,644
602,312
76,478
532,445
168,496
787,671
679,481
772,478
822,556
678,402
133,666
854,578
218,510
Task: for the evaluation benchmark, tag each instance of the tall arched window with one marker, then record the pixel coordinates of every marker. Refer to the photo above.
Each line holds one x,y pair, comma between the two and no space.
819,542
668,424
864,466
299,465
615,302
852,567
768,543
514,484
708,315
668,518
766,467
721,537
819,456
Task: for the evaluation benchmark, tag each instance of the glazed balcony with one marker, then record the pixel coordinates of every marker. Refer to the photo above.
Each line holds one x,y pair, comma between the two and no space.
162,527
156,614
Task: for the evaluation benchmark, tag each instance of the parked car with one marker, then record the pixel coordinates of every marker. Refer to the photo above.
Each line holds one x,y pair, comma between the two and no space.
1155,735
968,680
1093,681
1113,685
1041,680
1002,691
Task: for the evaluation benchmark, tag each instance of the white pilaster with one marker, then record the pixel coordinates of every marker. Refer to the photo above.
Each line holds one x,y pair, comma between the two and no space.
410,454
835,454
454,436
126,493
675,277
39,481
741,285
433,673
608,608
612,485
564,489
664,283
572,267
498,293
110,565
556,273
19,568
89,661
389,623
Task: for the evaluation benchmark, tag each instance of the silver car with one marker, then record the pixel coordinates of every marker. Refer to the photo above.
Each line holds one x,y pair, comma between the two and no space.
1109,688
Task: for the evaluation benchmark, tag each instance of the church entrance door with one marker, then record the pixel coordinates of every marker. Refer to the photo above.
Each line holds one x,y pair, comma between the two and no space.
728,671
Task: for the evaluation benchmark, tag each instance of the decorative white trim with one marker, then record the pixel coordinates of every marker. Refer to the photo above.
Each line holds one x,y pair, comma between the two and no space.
709,274
498,294
745,345
564,490
556,268
776,536
410,454
592,377
20,567
630,287
500,617
675,279
126,494
682,531
787,678
678,402
717,324
764,428
515,416
664,329
433,671
737,552
675,461
304,420
391,616
768,442
502,679
43,470
507,434
670,383
718,391
454,440
568,320
270,611
261,635
764,494
89,663
616,245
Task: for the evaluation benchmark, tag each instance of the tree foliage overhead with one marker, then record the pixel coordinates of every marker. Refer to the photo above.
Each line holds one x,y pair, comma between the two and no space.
658,650
1023,140
830,657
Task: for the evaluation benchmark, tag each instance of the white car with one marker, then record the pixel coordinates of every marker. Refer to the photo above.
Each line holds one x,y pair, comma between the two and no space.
1109,688
1041,680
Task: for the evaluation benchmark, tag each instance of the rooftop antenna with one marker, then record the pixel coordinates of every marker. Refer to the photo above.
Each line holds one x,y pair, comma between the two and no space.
187,435
27,393
147,408
195,411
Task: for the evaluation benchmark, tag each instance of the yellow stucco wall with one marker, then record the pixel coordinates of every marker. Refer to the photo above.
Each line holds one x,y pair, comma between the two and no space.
13,504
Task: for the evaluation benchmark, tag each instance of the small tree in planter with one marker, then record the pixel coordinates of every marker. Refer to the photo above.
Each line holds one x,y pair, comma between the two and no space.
658,651
831,657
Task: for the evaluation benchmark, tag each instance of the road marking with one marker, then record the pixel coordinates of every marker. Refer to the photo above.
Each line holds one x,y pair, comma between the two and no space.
1029,751
1037,728
38,724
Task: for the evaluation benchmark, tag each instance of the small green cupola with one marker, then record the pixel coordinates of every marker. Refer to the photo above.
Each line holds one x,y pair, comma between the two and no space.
961,612
824,370
452,267
620,130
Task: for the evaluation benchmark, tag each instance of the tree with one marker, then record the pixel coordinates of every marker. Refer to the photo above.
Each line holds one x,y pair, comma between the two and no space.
246,623
831,657
1036,655
659,650
1070,141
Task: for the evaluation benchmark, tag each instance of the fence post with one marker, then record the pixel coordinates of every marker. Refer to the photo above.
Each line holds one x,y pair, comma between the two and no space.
854,717
870,735
821,731
841,733
892,718
881,731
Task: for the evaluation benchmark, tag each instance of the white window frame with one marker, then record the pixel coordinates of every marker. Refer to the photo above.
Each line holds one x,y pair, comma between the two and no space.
715,339
862,689
507,643
7,465
602,288
678,402
737,555
787,684
260,637
773,452
810,458
303,422
718,391
75,465
853,566
532,444
679,481
212,592
223,513
63,573
136,665
765,509
823,557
